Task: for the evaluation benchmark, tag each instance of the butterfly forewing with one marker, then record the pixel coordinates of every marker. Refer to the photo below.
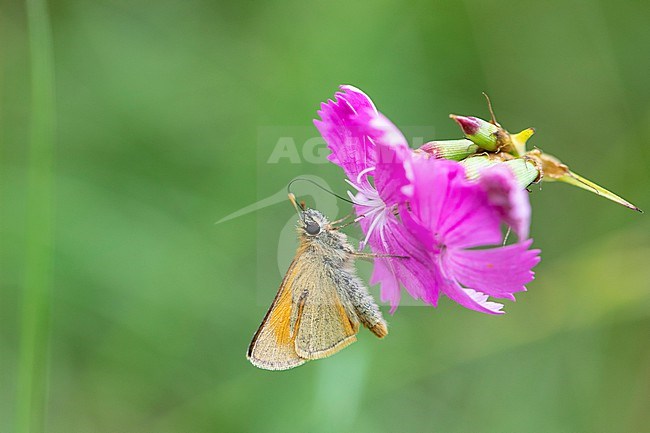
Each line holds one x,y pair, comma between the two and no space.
273,346
307,319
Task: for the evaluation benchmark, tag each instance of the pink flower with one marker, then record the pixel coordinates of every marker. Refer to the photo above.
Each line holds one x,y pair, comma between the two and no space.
376,157
456,219
426,210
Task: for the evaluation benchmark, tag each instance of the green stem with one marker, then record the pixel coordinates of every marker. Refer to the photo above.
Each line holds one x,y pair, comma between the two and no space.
32,370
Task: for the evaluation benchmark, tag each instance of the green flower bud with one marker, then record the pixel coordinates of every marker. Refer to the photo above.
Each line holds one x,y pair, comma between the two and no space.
456,150
481,132
474,165
524,170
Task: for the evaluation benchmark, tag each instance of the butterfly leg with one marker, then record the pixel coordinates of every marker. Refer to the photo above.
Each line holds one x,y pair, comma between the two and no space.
338,221
356,220
370,256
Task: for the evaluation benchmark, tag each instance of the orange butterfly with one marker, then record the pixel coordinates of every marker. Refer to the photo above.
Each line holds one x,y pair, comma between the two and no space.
320,303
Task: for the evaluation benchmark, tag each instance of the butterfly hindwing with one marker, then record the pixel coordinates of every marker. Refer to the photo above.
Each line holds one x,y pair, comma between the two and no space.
325,323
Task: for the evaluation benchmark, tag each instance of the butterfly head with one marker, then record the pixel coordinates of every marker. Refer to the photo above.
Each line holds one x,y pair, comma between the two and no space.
312,222
315,229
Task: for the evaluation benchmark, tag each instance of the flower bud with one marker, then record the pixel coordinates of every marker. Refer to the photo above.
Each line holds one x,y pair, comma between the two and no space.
524,171
475,164
481,132
456,150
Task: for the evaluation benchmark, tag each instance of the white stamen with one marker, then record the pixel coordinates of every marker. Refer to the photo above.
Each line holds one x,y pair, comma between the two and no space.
368,197
367,170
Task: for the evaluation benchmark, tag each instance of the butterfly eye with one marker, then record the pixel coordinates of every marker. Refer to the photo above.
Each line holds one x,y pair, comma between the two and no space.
312,228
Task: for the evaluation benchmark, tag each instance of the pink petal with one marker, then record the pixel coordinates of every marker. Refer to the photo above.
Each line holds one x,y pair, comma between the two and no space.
351,149
499,272
482,300
414,272
390,286
356,98
508,198
393,174
452,209
431,186
467,219
381,129
471,299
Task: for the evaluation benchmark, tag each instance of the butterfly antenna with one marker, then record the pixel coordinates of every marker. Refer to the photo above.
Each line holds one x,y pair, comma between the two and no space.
292,199
316,184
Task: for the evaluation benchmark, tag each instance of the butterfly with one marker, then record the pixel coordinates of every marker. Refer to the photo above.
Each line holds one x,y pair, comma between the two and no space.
321,302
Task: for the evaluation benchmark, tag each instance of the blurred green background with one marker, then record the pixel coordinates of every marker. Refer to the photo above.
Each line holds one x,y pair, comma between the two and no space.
158,108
